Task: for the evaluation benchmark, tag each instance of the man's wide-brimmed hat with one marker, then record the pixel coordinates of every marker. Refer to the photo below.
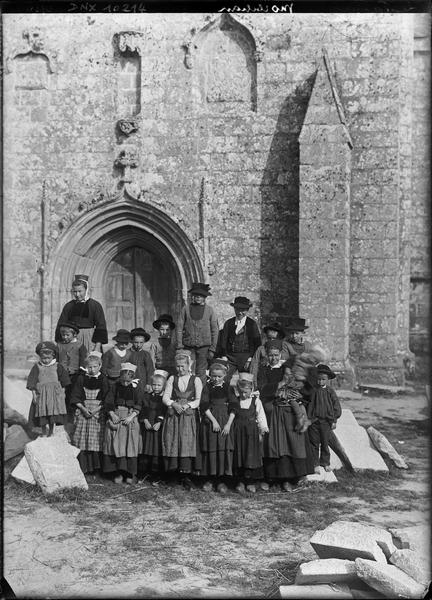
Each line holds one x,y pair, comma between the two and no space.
200,289
123,336
275,326
52,346
80,279
164,319
296,324
69,325
326,370
241,302
140,331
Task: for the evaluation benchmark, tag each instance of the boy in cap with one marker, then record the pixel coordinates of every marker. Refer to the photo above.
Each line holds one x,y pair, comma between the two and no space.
198,329
141,358
115,356
239,338
163,350
87,313
323,410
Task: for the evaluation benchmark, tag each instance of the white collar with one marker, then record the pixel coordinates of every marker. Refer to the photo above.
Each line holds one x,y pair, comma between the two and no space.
120,352
54,360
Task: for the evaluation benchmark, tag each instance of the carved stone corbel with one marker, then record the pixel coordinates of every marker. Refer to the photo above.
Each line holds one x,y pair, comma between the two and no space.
128,125
130,41
34,44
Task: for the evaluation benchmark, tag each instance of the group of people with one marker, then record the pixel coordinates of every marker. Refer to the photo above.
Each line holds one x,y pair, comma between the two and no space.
199,404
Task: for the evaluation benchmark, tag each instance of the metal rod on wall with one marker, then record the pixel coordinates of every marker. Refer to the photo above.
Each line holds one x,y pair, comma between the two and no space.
41,269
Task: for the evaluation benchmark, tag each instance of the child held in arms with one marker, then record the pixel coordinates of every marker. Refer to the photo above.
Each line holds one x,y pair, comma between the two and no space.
323,411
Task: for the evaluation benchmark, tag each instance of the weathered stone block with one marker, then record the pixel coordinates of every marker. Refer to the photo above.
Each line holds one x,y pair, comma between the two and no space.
327,570
298,592
349,540
53,464
415,537
383,445
413,564
388,579
354,446
15,441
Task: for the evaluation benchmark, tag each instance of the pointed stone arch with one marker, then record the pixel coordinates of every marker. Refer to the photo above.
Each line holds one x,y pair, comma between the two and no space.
93,240
224,55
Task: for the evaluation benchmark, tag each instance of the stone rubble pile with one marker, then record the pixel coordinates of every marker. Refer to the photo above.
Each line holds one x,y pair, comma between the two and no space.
359,560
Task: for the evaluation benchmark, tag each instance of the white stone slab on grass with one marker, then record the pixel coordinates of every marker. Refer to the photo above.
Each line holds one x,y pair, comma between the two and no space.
335,461
388,579
355,446
323,477
326,570
350,540
324,591
23,473
53,464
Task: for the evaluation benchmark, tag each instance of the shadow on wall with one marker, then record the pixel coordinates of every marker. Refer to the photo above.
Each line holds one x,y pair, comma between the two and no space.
279,189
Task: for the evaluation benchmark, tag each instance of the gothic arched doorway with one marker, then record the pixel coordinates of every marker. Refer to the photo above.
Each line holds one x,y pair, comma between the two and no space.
139,286
139,261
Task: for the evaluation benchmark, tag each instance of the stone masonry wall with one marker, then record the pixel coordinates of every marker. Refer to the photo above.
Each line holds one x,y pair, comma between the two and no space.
235,147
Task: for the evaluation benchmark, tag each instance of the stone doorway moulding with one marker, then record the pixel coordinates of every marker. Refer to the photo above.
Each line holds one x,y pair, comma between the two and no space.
94,239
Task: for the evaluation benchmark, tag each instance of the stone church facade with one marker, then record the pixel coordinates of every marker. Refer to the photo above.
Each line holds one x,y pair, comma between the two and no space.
281,157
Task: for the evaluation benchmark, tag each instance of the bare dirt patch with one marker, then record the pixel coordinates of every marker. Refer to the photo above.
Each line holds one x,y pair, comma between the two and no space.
147,542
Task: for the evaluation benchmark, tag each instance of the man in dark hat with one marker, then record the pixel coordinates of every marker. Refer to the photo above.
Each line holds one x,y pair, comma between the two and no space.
87,313
239,338
198,328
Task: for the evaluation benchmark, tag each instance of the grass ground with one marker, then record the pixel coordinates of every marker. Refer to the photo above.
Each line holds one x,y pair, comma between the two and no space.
167,541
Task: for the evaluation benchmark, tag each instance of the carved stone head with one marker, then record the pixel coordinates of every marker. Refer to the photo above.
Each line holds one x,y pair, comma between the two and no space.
34,38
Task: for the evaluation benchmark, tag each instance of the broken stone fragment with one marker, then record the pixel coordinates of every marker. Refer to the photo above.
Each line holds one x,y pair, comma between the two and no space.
413,564
388,579
383,445
325,591
326,570
323,476
353,445
350,540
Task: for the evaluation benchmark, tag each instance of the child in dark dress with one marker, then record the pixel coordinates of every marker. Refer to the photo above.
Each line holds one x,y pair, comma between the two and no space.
323,410
151,419
250,424
122,440
218,409
88,398
72,355
47,380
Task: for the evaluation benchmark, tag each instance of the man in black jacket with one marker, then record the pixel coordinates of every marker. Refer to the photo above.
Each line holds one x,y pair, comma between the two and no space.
239,338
